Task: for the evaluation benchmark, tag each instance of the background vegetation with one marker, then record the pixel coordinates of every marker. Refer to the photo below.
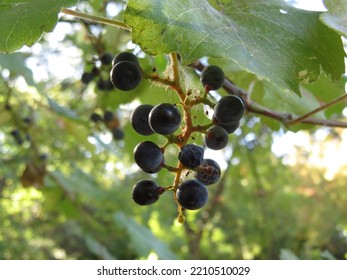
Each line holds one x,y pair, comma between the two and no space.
65,189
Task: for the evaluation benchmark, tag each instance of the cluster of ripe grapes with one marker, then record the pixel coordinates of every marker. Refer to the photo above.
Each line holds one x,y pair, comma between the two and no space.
101,66
111,122
165,119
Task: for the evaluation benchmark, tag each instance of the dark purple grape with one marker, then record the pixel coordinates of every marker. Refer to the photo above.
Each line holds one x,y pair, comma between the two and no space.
106,59
108,116
145,192
125,75
148,156
208,172
229,110
192,194
117,133
212,77
164,118
191,155
216,138
95,117
230,128
139,119
125,56
87,78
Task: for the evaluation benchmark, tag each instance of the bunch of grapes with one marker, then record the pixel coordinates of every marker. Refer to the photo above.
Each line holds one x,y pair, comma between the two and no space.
166,119
111,122
100,66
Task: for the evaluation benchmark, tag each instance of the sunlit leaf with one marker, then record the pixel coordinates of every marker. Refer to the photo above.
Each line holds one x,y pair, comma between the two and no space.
269,38
23,22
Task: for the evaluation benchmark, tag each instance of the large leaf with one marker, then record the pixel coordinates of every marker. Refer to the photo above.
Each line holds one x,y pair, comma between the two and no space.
269,38
336,17
23,22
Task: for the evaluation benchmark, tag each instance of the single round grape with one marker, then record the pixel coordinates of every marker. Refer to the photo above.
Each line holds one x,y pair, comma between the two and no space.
229,109
164,118
106,59
95,117
212,77
148,156
125,75
125,56
145,192
117,133
139,119
108,116
216,138
209,172
87,78
191,155
192,194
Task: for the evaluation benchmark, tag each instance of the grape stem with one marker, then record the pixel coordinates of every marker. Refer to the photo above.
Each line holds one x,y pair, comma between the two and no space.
96,19
321,108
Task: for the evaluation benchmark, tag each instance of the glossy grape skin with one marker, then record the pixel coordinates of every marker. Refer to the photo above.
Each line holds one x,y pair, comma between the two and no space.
148,156
145,192
125,75
216,138
212,77
192,194
229,109
191,155
125,56
164,118
139,119
209,172
230,128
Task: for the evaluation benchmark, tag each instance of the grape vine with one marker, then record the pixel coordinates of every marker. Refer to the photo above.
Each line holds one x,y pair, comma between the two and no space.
175,122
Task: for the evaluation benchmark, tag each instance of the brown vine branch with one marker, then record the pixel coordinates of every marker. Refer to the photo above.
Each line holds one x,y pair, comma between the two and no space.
285,118
321,108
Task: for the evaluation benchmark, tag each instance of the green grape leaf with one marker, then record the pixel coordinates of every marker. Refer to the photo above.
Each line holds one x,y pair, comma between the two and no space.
336,17
23,22
271,39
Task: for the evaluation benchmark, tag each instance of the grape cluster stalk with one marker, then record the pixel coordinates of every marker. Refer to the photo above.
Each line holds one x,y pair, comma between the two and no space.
177,125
